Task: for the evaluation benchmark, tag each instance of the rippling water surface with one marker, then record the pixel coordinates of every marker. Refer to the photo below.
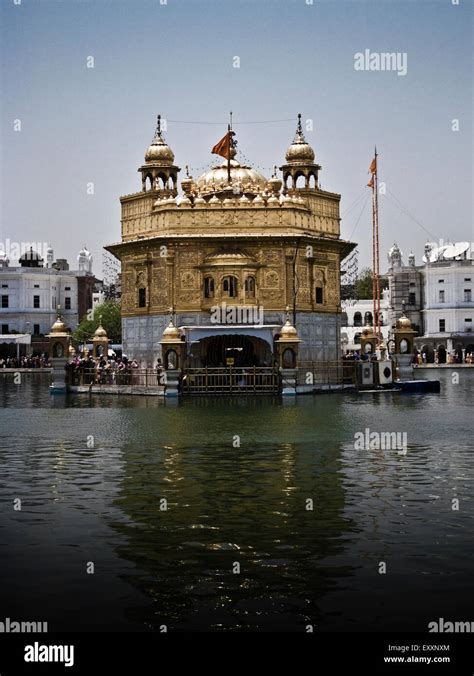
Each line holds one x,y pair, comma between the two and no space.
228,505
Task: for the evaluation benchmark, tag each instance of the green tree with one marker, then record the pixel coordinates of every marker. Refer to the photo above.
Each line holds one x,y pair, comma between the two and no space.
108,314
363,285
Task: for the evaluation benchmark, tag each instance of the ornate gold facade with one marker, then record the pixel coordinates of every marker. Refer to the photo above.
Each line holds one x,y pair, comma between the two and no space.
250,241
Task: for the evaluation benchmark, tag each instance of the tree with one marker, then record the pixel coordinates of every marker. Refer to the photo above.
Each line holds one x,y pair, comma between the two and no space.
108,314
363,285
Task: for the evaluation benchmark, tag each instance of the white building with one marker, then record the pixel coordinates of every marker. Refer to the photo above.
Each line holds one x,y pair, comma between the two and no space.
30,292
359,314
448,300
439,296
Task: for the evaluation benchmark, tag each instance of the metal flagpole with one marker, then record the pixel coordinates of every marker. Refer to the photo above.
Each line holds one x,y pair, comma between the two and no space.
229,129
377,252
374,272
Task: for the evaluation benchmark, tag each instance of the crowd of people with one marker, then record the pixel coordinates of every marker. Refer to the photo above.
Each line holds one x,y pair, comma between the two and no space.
34,362
421,358
357,356
113,370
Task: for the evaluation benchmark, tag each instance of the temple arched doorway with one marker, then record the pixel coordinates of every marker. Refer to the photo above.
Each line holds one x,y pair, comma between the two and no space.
235,349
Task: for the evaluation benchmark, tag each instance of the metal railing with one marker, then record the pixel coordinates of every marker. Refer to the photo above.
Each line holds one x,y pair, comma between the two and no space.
241,380
327,373
111,377
221,380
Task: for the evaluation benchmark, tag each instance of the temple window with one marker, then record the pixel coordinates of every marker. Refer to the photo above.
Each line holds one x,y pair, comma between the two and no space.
250,287
208,287
319,295
368,318
142,297
229,286
357,319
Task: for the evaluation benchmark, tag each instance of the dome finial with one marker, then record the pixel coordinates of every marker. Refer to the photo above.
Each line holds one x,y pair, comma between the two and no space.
158,137
299,136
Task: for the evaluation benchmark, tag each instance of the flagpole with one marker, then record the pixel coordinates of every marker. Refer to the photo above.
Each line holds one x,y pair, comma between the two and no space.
374,271
229,129
377,252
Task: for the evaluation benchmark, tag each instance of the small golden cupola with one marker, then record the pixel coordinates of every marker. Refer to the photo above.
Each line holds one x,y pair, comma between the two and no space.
300,163
59,338
100,342
403,322
159,173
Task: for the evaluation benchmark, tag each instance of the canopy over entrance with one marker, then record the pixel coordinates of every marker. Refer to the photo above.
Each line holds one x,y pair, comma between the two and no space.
215,346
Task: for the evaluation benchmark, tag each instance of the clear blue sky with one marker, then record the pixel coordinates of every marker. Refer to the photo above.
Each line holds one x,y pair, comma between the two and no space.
81,125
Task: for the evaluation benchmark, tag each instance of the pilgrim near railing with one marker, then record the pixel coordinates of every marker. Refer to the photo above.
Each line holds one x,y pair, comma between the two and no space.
110,377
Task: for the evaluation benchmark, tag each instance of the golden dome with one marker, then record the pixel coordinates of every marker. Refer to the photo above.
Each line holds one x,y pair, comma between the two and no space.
288,331
403,322
100,332
171,332
159,151
300,152
59,326
187,183
275,183
249,180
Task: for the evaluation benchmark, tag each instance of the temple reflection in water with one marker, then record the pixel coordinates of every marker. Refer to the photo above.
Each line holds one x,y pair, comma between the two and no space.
227,505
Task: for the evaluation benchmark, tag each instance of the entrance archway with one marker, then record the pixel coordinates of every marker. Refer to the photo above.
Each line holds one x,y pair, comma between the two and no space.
441,354
244,350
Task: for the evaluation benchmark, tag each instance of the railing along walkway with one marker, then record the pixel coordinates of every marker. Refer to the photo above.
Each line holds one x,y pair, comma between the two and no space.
241,380
110,377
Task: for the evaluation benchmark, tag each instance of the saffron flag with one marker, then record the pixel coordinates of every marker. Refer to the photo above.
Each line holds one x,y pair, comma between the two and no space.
373,171
224,146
